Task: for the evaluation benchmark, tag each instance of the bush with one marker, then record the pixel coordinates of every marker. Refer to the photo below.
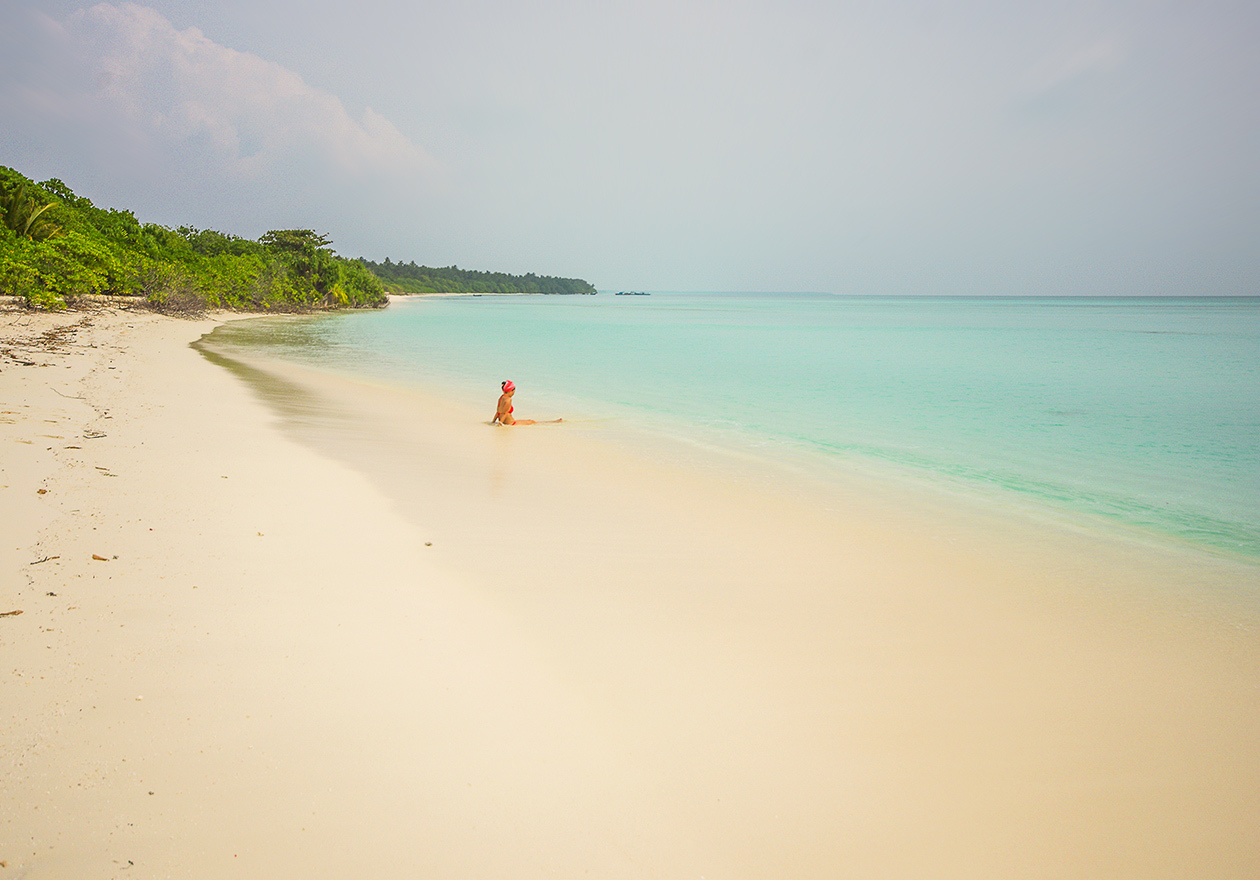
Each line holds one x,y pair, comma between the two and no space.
171,291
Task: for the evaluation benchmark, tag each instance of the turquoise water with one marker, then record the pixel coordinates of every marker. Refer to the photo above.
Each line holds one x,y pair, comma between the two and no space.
1143,412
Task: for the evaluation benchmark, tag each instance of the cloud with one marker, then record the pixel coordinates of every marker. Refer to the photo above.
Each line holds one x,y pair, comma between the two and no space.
132,112
249,114
903,147
1096,56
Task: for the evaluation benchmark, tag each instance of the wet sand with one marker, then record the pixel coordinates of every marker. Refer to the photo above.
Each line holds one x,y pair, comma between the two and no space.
342,628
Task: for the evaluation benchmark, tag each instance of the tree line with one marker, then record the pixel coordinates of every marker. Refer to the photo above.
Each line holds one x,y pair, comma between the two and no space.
56,247
410,278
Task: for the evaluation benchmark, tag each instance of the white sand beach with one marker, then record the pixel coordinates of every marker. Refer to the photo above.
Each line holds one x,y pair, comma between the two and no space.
257,648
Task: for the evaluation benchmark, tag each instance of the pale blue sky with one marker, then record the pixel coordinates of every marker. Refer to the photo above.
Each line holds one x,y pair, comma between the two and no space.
878,147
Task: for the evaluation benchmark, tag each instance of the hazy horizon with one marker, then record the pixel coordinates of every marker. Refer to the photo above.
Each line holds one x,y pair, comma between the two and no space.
909,148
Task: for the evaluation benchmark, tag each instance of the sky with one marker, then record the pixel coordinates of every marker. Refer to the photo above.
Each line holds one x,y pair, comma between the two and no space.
991,147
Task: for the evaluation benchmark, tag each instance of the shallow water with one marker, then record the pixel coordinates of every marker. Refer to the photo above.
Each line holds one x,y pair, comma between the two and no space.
1138,412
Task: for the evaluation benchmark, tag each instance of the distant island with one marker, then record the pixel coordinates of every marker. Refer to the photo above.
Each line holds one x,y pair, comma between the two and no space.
57,248
410,278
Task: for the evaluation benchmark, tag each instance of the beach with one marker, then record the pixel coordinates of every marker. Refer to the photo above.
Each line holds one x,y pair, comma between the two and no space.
278,622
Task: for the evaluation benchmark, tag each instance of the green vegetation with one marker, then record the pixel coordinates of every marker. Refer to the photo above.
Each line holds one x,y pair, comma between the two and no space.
410,278
56,247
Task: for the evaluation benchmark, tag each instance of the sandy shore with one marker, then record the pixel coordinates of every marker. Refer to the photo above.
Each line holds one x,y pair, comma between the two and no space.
358,633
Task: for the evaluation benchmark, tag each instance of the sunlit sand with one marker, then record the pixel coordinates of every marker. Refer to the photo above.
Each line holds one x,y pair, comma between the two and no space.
338,629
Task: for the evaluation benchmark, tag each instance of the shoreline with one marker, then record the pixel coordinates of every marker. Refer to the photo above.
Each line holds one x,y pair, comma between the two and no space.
373,635
170,670
699,559
1183,481
337,406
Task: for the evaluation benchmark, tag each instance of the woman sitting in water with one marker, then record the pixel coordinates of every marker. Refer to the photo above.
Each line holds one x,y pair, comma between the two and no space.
503,412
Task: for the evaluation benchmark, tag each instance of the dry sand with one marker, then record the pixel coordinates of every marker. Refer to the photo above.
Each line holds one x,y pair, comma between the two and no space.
363,634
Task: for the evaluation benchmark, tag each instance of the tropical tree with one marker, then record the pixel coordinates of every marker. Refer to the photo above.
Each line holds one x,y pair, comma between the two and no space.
310,259
24,214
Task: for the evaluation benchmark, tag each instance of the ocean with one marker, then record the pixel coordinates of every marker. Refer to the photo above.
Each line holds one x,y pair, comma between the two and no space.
1141,414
